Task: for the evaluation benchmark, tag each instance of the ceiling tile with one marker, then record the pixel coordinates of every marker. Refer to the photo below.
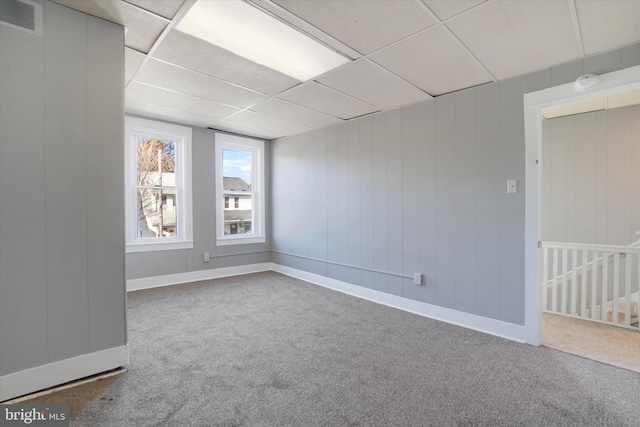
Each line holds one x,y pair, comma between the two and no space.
144,27
132,60
249,118
609,24
445,9
326,100
178,79
364,25
284,110
434,62
370,83
178,101
168,114
515,37
164,8
196,54
247,130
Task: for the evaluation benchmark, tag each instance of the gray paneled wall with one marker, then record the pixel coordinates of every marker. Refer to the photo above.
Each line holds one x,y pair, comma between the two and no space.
419,189
591,177
159,263
61,165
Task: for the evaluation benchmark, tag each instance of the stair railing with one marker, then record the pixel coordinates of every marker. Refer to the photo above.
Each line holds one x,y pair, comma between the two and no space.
594,282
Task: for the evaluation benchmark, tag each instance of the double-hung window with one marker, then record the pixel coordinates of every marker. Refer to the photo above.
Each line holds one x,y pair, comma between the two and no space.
239,190
158,186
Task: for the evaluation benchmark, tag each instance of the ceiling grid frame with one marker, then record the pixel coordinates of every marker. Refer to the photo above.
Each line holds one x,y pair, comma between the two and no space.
461,62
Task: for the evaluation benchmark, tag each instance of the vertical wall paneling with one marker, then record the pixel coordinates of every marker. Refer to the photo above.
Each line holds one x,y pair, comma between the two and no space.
334,197
318,246
465,194
446,200
422,188
619,165
61,218
366,201
490,189
203,177
589,175
23,297
513,207
569,179
585,168
105,198
427,181
342,201
394,201
602,179
354,217
410,202
558,178
380,242
66,184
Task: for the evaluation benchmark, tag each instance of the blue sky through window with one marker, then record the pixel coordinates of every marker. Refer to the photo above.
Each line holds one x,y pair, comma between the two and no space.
237,164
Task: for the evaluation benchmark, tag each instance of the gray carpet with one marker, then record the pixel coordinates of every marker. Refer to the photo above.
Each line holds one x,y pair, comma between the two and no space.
268,350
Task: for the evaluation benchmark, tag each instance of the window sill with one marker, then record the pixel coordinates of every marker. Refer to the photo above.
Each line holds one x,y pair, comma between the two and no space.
158,246
228,241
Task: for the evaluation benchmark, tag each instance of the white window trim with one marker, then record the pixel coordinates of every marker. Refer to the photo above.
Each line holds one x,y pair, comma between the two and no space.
232,142
182,135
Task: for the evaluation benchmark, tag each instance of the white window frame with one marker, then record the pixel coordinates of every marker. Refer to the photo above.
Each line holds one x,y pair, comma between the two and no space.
256,147
184,221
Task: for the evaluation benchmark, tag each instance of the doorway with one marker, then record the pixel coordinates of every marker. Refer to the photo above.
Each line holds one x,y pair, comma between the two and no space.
607,85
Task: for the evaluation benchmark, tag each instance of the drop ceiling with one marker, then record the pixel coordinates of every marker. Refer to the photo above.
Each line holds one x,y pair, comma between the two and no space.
400,51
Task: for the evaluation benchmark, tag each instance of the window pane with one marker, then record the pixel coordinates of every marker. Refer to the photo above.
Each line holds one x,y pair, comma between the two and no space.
237,170
238,216
156,211
156,162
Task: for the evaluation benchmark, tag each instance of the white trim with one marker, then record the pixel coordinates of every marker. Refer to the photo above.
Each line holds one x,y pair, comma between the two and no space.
194,276
228,241
486,325
608,84
256,147
183,137
56,373
498,328
159,246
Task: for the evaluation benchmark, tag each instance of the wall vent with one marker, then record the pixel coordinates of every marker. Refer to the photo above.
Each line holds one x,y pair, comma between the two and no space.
23,15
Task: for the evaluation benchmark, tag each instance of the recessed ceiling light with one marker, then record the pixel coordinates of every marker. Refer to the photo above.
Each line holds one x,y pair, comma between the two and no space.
253,34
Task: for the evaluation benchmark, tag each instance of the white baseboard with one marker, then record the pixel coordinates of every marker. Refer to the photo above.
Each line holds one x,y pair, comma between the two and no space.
498,328
194,276
56,373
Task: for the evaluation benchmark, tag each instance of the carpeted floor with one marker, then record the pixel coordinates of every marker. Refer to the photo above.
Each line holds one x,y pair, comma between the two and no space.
605,343
268,350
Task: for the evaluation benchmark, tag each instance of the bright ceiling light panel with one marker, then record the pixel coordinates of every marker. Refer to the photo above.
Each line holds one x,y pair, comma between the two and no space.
259,37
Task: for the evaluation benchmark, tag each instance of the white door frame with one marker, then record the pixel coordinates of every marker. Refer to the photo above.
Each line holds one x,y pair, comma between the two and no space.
608,84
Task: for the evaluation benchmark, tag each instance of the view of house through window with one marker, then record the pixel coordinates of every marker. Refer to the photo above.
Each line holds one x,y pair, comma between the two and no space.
156,188
236,186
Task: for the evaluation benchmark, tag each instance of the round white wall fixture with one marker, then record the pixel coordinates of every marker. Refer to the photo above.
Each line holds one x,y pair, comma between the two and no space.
586,82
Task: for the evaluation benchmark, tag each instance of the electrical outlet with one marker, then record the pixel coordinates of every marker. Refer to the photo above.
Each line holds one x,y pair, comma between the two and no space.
417,278
206,257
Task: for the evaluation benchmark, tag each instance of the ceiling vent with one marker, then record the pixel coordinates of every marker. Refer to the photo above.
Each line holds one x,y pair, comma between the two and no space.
23,15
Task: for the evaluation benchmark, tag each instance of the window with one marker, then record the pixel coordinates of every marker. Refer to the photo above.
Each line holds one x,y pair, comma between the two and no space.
158,186
239,175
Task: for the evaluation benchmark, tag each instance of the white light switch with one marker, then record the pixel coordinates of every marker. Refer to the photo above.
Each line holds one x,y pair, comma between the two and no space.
512,186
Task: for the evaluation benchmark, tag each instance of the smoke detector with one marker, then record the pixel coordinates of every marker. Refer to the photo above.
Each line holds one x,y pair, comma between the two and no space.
585,82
